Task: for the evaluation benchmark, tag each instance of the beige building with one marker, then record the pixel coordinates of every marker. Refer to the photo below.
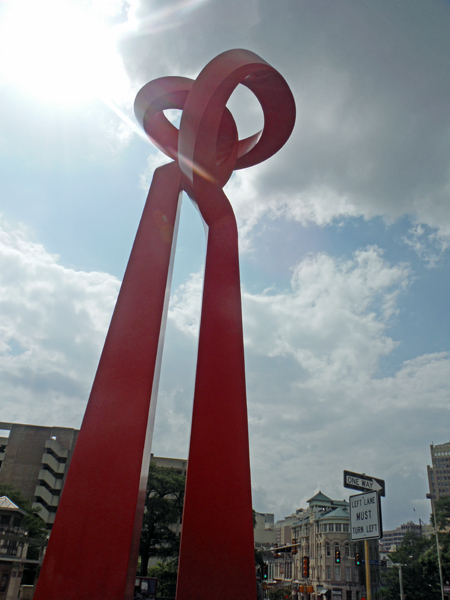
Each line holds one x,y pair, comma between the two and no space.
35,461
439,473
319,559
264,530
392,539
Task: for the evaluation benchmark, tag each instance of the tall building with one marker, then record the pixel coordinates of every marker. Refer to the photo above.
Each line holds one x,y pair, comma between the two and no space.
35,461
439,472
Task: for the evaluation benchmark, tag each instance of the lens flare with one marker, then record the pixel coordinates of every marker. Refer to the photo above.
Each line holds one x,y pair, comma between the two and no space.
60,53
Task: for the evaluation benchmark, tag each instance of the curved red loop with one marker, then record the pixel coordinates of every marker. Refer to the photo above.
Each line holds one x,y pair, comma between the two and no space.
207,99
206,147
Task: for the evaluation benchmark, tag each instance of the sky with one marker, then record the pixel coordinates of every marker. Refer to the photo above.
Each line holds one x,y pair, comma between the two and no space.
344,234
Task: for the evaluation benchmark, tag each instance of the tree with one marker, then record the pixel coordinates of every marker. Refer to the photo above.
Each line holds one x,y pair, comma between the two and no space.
163,511
280,593
442,514
442,519
32,523
420,575
166,573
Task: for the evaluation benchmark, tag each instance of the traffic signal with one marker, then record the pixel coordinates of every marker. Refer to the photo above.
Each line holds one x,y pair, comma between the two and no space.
265,572
357,559
294,547
305,565
337,556
276,554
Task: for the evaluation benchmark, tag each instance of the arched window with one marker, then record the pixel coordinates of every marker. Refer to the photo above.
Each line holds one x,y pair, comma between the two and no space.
327,549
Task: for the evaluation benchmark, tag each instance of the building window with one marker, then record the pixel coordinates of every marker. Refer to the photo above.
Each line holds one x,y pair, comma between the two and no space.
324,528
345,528
331,527
337,572
327,549
337,527
348,573
347,550
328,572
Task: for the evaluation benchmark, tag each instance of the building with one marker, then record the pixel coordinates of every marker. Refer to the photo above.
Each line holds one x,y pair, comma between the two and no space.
35,461
393,538
439,473
320,561
264,530
20,556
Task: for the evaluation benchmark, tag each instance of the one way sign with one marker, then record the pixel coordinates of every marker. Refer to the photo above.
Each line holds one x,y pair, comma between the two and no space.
366,483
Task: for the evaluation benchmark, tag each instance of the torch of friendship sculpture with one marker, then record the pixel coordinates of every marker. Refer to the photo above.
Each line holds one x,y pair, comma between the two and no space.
93,548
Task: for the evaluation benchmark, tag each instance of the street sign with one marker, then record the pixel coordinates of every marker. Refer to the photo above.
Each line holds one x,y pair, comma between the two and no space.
365,517
363,482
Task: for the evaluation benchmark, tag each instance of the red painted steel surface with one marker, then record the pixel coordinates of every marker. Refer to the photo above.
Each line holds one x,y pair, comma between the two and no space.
88,555
93,547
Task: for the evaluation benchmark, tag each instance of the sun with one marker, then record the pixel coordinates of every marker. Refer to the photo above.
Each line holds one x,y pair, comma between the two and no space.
59,53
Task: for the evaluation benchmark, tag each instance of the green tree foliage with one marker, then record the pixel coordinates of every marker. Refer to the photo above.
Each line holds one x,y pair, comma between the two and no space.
442,511
420,574
163,512
280,594
166,573
32,523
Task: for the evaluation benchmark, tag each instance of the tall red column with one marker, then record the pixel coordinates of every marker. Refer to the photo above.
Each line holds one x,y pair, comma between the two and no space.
216,555
91,554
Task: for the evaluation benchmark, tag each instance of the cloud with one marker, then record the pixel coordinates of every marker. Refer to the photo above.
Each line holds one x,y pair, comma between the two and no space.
52,326
318,401
372,136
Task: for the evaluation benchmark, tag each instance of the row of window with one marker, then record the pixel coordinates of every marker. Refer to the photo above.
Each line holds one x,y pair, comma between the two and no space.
334,527
289,570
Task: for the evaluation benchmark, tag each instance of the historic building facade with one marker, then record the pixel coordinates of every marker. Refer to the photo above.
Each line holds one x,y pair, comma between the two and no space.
319,560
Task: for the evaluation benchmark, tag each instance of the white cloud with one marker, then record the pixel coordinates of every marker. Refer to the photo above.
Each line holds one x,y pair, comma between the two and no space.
372,132
317,401
52,326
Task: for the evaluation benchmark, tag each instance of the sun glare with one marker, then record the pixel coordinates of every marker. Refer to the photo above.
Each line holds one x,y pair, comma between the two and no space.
60,53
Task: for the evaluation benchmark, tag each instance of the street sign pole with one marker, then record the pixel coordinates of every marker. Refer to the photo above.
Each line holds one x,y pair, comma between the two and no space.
368,585
365,513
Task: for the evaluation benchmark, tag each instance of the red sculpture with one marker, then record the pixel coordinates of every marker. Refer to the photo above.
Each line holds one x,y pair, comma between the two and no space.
93,549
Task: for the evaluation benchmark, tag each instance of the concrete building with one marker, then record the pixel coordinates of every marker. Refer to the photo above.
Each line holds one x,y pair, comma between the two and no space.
35,461
264,530
439,472
321,535
392,539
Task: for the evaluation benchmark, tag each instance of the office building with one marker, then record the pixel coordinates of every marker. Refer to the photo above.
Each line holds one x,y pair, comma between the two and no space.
439,473
35,460
392,539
